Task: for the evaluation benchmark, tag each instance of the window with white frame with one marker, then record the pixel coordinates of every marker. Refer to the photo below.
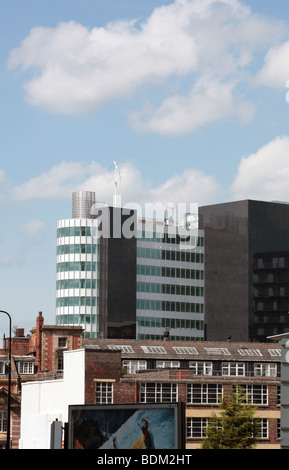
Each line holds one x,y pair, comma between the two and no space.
233,368
263,428
265,370
103,393
204,393
255,394
3,421
201,368
167,364
25,367
158,392
2,367
196,427
132,366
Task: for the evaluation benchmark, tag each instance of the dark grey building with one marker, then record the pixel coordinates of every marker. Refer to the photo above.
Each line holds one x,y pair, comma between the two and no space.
238,235
117,276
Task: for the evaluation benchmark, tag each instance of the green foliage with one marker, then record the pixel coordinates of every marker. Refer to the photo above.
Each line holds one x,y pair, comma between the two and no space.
234,427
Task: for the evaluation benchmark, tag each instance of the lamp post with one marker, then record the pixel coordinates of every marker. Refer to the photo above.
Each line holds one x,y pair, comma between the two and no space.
9,384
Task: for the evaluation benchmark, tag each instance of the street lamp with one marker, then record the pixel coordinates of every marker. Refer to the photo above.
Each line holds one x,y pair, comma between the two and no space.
9,384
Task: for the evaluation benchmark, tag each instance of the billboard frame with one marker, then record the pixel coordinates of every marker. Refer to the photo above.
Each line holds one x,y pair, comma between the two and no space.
178,409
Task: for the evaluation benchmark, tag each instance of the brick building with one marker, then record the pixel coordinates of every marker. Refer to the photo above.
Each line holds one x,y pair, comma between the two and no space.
135,371
37,355
48,343
22,368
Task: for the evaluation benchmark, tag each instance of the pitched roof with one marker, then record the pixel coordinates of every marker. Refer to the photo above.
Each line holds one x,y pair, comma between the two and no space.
198,350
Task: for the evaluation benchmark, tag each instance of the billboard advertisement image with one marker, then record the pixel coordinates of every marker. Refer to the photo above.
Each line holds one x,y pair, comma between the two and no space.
133,426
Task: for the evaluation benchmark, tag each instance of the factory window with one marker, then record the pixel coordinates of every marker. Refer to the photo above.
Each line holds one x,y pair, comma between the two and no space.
204,394
158,392
265,370
167,364
132,366
103,393
255,394
196,427
233,368
201,368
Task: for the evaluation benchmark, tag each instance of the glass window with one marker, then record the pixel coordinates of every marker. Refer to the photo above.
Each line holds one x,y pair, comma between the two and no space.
62,342
158,392
267,370
3,421
103,392
201,368
204,393
25,367
196,427
233,368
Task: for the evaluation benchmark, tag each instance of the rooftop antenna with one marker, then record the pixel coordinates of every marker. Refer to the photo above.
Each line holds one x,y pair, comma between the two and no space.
116,179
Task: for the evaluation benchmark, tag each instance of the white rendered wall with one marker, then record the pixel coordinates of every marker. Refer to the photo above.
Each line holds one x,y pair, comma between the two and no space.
43,402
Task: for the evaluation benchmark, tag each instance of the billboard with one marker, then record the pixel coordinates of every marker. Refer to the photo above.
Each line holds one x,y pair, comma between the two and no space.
127,426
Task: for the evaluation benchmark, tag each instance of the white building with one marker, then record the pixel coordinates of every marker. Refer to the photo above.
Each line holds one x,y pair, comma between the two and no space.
40,407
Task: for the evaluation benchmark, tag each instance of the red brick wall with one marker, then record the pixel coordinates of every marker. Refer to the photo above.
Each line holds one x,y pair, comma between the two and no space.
15,427
125,392
47,352
100,364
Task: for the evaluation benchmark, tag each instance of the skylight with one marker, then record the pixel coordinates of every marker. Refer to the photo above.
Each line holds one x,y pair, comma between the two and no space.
122,348
249,352
216,351
185,350
154,349
274,352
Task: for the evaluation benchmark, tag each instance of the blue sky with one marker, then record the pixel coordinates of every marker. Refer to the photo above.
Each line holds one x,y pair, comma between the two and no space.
188,96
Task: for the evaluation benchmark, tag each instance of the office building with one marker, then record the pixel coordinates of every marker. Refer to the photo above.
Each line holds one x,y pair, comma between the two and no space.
247,249
170,284
120,277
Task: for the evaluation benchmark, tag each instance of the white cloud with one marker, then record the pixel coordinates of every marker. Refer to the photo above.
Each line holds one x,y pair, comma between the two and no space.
207,102
264,175
275,72
60,181
76,70
56,183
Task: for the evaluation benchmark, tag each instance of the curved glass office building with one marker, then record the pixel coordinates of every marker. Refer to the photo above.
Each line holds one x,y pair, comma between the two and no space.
77,275
96,270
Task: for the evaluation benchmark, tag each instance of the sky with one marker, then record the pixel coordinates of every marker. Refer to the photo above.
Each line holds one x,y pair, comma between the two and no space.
189,97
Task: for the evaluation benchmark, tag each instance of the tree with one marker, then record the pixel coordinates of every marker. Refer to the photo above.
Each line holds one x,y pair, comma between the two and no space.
235,427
